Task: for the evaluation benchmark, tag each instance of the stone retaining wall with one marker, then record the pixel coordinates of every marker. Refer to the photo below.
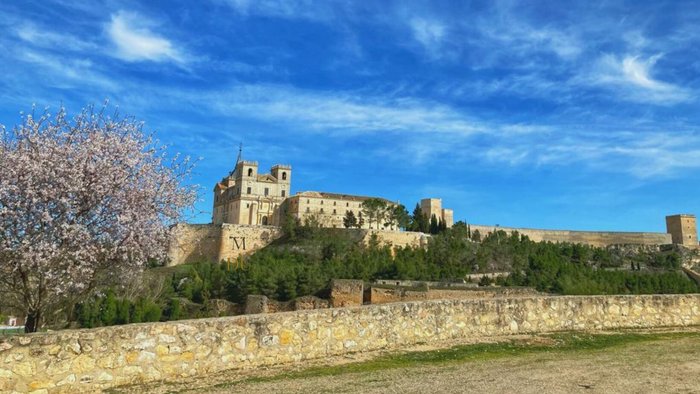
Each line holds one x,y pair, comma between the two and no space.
88,360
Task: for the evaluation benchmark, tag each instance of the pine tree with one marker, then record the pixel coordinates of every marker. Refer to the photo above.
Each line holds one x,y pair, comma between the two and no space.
360,220
434,227
350,221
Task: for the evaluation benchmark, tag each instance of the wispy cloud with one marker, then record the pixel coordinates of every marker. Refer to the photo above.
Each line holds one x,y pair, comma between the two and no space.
333,111
632,77
131,34
643,155
288,9
42,37
429,33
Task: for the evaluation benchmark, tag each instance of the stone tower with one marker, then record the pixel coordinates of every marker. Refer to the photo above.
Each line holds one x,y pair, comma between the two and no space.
433,206
683,229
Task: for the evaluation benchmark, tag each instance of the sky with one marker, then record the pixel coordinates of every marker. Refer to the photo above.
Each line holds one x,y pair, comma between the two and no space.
542,114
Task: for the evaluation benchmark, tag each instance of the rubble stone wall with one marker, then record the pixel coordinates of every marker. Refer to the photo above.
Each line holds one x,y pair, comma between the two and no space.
89,360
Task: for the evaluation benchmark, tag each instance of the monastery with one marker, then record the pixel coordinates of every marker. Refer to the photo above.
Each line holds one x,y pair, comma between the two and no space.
249,208
247,197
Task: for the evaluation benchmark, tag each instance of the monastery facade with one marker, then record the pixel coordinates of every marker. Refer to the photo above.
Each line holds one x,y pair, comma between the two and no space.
247,197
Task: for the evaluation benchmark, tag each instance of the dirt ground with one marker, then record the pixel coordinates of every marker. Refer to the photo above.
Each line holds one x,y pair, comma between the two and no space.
659,366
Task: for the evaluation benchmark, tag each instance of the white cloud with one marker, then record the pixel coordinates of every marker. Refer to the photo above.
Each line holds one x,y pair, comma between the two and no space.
134,40
67,73
338,111
643,155
631,77
429,33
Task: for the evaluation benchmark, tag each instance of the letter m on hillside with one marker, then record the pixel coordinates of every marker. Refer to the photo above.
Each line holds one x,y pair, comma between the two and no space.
238,243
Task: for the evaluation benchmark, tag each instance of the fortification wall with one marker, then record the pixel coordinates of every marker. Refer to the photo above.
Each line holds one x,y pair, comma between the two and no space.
210,242
194,242
593,238
87,360
215,242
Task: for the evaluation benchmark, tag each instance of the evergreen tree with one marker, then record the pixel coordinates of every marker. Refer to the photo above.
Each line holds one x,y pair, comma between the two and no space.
375,210
350,221
434,226
360,220
419,221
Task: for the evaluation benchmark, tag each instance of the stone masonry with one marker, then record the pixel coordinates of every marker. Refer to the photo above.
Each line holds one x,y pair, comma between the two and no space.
89,360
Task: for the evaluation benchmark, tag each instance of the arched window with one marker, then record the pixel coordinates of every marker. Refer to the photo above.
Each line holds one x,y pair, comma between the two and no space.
250,172
284,176
264,222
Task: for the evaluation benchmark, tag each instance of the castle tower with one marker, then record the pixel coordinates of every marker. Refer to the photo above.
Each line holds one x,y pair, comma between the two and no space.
433,206
683,229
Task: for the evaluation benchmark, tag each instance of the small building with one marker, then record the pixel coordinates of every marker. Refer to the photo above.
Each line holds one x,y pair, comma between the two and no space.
13,321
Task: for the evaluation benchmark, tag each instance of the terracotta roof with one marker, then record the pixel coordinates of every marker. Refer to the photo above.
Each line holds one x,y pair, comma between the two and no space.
338,196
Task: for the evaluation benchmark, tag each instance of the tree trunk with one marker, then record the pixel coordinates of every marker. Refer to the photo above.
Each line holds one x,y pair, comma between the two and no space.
33,322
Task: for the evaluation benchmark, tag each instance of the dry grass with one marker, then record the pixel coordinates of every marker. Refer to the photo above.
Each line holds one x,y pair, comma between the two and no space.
636,362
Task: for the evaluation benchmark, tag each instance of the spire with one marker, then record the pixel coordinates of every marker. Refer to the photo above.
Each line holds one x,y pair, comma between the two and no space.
240,153
238,159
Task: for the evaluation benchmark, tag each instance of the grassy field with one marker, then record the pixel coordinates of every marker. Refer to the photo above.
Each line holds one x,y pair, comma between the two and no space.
565,362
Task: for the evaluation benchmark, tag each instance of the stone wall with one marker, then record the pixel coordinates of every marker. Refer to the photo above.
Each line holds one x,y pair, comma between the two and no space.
593,238
215,242
346,292
87,360
384,295
397,238
262,304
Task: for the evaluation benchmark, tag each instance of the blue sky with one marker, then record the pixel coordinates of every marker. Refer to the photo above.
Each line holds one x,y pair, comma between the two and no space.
534,114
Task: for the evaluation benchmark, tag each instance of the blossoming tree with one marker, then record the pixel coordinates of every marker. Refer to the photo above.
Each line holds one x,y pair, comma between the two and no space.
83,202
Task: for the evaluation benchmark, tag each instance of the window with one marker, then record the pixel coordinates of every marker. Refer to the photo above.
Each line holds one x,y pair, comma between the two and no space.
248,191
333,203
284,176
334,212
308,201
247,205
264,221
267,191
250,172
321,210
321,202
308,209
282,193
347,204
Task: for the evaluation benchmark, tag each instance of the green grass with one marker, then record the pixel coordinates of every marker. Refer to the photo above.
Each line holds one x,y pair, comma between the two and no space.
552,343
11,331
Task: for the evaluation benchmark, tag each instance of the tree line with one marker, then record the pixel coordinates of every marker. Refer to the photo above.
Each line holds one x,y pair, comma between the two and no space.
379,213
303,263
